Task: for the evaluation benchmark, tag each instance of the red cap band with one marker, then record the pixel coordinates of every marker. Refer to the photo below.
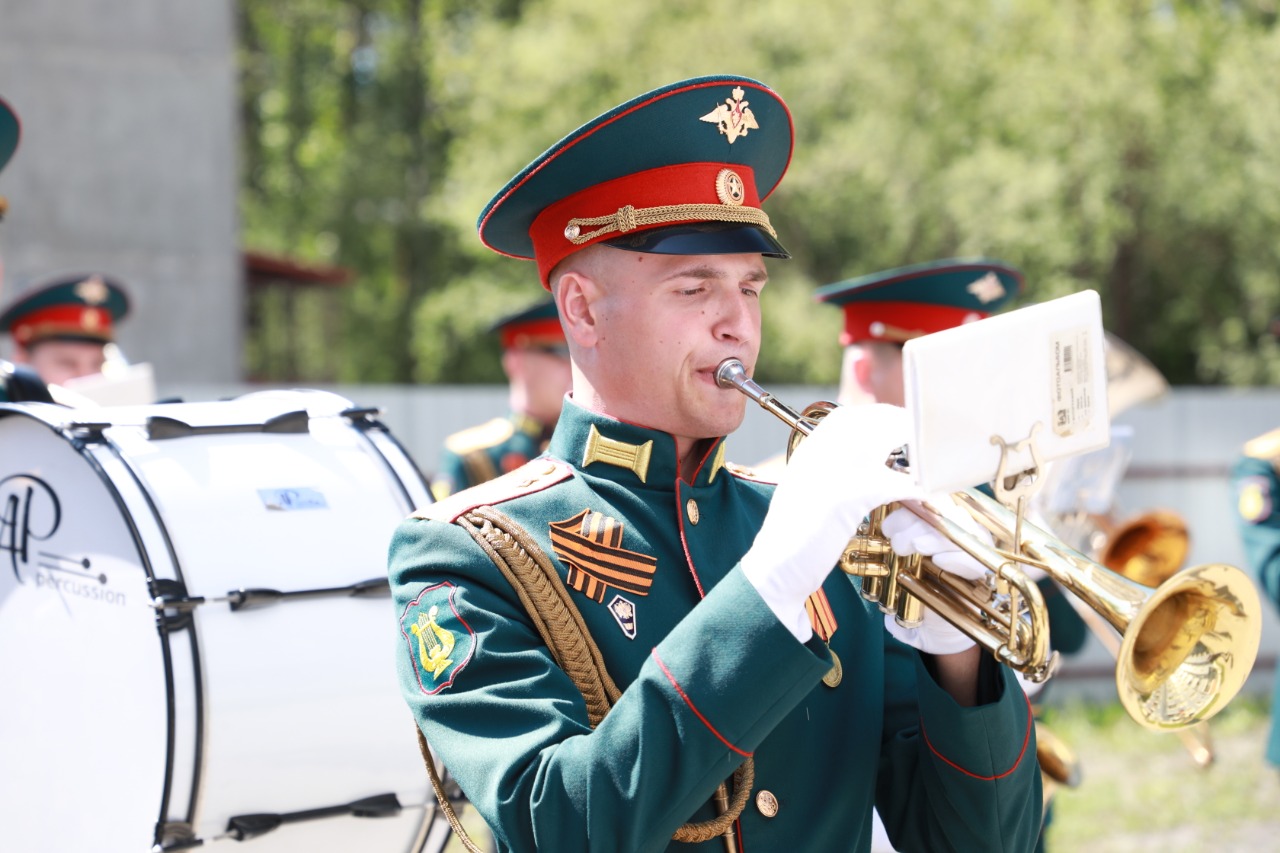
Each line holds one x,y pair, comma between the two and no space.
546,331
900,321
686,183
62,320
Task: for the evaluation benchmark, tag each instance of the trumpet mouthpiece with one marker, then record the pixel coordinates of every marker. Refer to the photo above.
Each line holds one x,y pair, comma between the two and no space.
730,373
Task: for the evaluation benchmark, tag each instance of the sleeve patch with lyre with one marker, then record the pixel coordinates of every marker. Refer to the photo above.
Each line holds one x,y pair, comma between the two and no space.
441,642
820,615
590,544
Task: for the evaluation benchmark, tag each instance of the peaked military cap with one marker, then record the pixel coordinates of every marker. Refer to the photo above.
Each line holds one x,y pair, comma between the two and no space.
680,170
10,130
75,307
909,302
535,326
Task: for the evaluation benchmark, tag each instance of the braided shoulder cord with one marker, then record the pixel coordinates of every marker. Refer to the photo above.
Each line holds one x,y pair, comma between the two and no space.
531,574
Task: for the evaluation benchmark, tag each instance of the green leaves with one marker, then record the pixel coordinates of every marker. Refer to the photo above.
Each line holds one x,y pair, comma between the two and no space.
1121,147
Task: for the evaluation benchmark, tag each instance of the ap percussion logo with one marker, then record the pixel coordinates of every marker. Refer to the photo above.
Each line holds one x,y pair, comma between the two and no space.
31,513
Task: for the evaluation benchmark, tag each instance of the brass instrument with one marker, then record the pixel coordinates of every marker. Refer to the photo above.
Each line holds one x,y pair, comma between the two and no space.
1187,646
1059,766
1148,549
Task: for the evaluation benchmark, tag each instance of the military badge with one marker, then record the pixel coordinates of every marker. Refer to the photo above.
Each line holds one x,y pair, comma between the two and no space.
733,117
987,289
1254,499
590,544
441,643
93,290
624,613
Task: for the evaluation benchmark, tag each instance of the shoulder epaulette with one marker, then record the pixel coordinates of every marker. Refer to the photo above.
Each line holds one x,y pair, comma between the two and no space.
528,478
1266,447
743,472
479,437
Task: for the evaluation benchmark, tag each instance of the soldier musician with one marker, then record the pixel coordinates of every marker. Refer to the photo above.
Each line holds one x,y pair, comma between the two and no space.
660,621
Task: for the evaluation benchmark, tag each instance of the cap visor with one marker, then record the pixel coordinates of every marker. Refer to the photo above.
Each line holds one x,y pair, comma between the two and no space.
712,238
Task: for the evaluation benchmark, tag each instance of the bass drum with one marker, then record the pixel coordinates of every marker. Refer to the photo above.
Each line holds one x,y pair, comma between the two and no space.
196,643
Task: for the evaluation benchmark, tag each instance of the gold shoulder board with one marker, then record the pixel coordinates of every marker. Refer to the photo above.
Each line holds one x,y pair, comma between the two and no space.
528,478
1264,447
480,437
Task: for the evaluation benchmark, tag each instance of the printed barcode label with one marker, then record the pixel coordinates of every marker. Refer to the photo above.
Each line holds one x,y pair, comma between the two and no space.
1073,399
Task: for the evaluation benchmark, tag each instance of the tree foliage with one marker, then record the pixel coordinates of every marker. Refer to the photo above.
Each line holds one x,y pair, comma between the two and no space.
1125,147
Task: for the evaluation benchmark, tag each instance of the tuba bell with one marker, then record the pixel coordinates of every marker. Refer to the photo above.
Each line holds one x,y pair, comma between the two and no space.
1186,648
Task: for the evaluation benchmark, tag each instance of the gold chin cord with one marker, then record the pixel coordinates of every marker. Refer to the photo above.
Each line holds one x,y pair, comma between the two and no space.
1186,646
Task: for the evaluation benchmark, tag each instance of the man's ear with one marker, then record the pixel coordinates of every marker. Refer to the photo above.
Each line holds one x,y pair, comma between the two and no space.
20,355
577,296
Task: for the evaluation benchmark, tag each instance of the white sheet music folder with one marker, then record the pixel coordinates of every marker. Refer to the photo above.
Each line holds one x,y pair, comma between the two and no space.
1040,368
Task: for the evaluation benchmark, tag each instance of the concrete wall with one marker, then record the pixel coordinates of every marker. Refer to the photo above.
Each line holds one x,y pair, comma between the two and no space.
127,164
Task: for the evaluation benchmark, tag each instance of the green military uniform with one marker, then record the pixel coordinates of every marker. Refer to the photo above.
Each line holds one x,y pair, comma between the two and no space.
1255,481
701,679
480,453
708,676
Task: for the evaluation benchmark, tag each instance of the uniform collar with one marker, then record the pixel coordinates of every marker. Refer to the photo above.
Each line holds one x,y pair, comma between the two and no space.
626,453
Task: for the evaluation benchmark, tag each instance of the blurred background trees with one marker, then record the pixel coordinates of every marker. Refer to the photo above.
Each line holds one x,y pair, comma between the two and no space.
1125,147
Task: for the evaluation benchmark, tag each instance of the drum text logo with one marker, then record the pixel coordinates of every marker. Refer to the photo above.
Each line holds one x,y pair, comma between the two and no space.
29,510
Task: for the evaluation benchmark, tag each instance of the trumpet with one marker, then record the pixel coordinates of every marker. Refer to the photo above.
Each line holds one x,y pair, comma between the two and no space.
1187,646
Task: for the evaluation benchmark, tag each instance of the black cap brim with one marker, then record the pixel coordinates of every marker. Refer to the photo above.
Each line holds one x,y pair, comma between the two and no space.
703,238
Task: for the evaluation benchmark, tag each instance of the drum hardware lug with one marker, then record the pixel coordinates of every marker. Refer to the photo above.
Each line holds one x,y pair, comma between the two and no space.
249,599
366,415
175,835
161,427
244,827
81,431
170,599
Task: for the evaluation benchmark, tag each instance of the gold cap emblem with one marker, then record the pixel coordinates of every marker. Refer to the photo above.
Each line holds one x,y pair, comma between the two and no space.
92,290
734,118
987,289
730,189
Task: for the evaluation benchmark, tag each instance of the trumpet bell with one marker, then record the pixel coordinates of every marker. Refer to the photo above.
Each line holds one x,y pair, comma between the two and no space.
1190,647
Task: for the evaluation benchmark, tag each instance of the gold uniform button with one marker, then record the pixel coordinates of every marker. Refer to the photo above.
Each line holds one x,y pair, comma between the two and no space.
767,803
692,508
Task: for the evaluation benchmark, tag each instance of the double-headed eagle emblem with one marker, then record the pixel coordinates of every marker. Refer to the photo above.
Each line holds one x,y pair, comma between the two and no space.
733,117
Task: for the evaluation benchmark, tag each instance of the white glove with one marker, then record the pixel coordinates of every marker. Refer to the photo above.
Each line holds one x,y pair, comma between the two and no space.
834,479
909,534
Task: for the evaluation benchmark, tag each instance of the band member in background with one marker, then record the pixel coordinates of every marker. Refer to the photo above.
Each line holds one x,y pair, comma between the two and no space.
1255,480
535,359
659,621
61,326
883,311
